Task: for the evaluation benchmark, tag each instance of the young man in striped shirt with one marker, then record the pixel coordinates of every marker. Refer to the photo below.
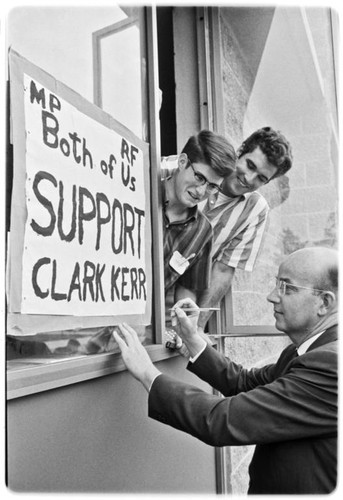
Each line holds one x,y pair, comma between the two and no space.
190,178
238,213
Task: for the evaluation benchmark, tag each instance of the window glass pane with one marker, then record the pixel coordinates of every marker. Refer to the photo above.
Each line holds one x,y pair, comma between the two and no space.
60,41
278,71
121,82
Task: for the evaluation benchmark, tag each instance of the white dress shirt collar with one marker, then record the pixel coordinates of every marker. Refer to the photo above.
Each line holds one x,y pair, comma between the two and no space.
305,345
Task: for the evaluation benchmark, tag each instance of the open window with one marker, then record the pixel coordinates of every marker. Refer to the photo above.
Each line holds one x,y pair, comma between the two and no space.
267,66
81,175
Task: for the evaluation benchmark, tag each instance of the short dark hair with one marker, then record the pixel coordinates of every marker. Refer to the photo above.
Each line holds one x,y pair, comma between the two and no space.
273,144
212,149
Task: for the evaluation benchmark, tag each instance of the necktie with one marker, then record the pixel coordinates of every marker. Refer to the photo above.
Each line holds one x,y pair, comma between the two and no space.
294,353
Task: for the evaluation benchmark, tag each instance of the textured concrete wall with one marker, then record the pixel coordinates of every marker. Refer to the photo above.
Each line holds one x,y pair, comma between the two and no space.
304,202
249,352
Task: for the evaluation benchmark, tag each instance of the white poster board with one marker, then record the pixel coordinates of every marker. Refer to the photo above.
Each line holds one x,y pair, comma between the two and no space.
80,244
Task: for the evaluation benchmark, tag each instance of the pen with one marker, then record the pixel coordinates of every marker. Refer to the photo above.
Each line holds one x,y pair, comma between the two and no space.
190,256
199,309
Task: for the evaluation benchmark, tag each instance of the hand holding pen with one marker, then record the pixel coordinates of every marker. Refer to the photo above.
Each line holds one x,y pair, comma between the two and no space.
189,307
184,316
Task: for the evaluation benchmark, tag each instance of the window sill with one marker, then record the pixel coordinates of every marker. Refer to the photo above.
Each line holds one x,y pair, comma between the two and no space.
26,380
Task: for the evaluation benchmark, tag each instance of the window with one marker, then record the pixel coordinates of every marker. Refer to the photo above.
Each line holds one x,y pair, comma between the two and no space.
120,71
277,69
109,58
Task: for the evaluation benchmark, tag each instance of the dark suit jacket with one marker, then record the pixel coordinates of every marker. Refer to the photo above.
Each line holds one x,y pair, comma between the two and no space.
288,409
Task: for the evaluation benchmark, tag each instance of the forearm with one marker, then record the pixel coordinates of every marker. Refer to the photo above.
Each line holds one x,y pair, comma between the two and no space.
173,402
207,300
221,281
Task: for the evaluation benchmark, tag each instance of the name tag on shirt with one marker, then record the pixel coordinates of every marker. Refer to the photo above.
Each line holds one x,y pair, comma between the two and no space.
178,262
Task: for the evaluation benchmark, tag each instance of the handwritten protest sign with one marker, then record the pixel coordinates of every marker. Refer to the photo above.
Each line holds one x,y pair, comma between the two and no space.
84,247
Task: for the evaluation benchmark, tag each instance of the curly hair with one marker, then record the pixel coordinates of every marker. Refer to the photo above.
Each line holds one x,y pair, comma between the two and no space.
274,145
212,149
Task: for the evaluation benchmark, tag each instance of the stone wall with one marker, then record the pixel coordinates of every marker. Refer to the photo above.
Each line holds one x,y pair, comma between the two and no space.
304,202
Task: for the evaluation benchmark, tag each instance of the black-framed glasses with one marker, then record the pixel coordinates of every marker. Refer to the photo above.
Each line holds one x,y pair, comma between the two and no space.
201,181
282,286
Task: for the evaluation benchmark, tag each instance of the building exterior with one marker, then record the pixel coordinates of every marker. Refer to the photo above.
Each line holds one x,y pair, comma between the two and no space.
76,420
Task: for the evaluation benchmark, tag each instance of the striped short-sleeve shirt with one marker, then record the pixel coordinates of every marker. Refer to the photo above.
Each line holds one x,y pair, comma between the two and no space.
238,228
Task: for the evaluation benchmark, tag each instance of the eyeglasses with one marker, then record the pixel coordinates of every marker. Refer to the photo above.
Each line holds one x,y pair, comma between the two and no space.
282,287
201,180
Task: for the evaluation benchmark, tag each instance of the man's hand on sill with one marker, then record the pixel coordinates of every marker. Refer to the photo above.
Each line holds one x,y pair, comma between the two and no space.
135,356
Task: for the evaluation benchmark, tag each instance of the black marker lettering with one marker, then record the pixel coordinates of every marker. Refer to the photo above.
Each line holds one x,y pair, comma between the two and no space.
48,230
41,262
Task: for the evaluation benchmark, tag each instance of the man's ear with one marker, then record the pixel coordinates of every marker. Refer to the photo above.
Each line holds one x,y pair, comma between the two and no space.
328,302
182,162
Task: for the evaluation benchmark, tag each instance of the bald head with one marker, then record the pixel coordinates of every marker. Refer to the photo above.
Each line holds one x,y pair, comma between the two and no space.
316,267
308,302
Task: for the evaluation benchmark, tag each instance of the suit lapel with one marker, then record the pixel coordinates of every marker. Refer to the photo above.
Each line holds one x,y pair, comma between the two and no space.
329,335
288,354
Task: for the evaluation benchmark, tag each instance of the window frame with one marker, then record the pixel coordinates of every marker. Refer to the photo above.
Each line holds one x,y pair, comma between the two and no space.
33,378
158,313
211,105
135,15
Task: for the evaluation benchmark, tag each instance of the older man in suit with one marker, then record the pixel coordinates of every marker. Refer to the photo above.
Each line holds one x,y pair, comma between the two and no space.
288,409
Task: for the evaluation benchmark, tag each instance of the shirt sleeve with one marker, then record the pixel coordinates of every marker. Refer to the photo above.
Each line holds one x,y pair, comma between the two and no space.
241,250
154,381
301,403
194,358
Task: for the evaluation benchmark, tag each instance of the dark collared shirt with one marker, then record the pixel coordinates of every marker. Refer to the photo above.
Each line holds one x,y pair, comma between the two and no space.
190,236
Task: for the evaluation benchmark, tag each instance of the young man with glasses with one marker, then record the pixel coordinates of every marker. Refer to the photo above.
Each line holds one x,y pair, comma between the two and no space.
189,178
238,213
288,409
